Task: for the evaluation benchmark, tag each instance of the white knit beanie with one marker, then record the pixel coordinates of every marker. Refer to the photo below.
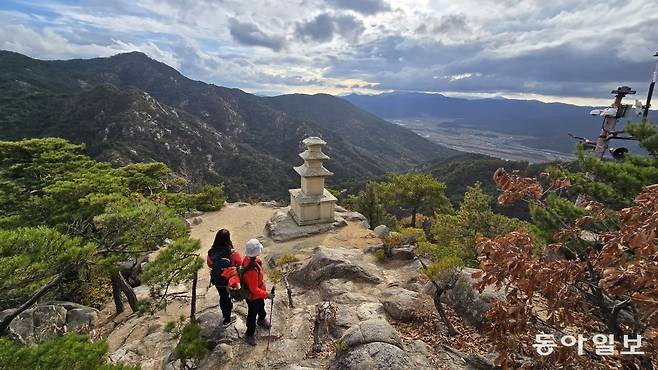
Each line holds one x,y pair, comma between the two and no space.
253,248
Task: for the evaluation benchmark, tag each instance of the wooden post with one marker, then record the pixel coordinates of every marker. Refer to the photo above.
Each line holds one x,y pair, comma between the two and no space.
288,290
118,281
116,295
193,304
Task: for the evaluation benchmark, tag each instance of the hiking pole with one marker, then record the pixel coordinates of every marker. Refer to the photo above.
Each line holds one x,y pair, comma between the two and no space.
269,334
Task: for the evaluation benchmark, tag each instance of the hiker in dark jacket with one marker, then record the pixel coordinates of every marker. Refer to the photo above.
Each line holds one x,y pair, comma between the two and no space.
253,278
222,255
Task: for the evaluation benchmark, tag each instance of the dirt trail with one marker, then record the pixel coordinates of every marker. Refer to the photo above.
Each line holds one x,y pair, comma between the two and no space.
244,222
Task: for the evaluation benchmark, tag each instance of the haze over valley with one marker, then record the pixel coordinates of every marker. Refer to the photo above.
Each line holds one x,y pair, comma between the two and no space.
474,139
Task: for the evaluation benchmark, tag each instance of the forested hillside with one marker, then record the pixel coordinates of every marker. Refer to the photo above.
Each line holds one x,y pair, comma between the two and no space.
462,171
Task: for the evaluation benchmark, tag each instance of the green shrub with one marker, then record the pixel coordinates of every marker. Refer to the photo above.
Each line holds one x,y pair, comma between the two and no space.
70,352
191,345
208,198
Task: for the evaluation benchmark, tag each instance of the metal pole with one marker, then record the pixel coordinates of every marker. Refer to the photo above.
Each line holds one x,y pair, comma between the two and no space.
269,334
645,114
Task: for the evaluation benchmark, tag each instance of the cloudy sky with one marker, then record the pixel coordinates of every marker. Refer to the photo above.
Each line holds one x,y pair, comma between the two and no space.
558,50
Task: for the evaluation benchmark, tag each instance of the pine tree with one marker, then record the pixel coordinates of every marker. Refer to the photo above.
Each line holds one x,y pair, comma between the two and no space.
615,182
474,219
369,203
117,211
176,264
414,193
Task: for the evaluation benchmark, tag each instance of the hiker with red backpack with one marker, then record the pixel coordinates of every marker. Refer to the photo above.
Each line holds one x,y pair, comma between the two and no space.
223,261
252,273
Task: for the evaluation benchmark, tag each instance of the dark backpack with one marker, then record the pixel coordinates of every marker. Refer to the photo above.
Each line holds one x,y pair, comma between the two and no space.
221,259
243,293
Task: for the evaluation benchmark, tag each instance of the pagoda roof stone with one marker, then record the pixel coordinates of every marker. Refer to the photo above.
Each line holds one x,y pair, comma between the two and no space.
306,171
309,155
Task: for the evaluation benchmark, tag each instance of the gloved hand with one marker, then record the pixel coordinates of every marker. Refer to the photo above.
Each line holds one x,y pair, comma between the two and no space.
270,295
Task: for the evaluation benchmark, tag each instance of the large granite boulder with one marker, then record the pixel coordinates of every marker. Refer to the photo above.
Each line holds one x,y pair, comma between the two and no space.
343,291
282,227
335,263
382,231
41,321
467,302
374,344
370,331
401,304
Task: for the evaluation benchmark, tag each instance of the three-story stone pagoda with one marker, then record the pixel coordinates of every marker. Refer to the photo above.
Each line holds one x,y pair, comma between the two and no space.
312,204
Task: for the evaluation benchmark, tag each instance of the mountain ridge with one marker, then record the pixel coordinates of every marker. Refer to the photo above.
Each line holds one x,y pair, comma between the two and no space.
248,138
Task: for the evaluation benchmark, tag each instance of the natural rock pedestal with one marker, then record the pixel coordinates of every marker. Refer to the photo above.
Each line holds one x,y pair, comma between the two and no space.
312,203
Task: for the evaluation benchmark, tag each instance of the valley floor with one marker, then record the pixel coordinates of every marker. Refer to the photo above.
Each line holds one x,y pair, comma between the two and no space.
476,140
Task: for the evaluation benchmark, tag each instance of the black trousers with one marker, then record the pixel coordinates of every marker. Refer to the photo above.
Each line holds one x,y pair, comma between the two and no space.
225,303
256,310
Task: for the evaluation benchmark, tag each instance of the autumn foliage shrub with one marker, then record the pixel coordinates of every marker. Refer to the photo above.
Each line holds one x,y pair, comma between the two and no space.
609,286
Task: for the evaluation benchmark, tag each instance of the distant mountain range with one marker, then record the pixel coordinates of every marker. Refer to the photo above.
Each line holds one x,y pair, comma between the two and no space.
548,124
129,108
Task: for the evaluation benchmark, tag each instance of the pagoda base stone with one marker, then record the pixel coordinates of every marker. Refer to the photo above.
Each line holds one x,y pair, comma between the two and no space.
282,227
312,209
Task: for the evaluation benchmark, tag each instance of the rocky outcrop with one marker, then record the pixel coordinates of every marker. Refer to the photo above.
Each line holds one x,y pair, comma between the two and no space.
43,320
406,252
282,227
151,352
351,216
374,344
360,293
467,302
215,333
192,214
333,263
269,204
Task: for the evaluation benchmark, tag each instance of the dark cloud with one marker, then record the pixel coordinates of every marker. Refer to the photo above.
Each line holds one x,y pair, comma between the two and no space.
324,26
421,29
247,33
399,63
320,29
452,23
366,7
349,27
